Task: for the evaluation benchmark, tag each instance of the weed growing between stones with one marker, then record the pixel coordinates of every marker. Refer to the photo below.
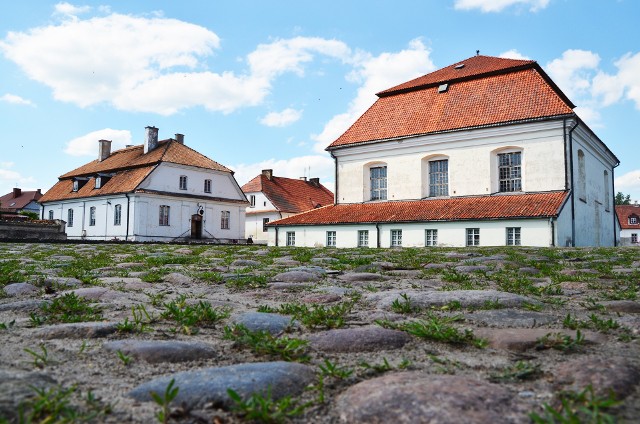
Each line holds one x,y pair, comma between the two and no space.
316,316
40,359
561,342
155,275
578,407
265,409
521,370
6,326
190,317
164,401
247,282
264,343
56,405
385,365
403,306
10,273
126,359
67,308
139,322
330,369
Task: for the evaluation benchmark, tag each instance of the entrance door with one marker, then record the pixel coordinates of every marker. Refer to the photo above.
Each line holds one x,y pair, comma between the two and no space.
196,226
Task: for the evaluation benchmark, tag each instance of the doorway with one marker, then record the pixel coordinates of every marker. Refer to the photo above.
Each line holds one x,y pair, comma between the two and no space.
196,226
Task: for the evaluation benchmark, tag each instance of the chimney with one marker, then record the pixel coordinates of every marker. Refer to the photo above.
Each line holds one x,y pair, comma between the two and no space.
180,138
268,173
315,182
303,178
17,192
104,149
150,139
38,191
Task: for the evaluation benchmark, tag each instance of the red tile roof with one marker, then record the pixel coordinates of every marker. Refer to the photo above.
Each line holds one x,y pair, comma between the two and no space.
289,194
18,199
624,212
486,91
528,205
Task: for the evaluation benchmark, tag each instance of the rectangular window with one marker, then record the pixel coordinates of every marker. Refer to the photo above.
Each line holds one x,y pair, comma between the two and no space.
92,216
473,236
634,237
70,218
207,186
291,238
164,215
439,178
513,236
252,200
633,220
378,183
76,185
396,238
265,221
117,214
510,172
224,220
430,237
183,182
331,238
363,238
98,182
50,215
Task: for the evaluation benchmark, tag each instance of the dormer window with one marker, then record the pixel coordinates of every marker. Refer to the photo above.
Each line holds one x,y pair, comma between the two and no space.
79,182
101,180
633,220
76,185
98,182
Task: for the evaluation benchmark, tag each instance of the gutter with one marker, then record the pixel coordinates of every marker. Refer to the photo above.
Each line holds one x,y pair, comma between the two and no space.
613,210
377,235
276,235
573,192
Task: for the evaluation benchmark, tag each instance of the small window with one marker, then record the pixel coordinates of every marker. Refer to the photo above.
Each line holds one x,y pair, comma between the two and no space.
510,172
331,238
76,185
264,203
70,218
473,236
607,199
252,200
378,177
224,220
513,236
582,177
183,182
363,238
207,186
265,221
98,182
291,238
430,237
50,215
633,220
164,215
92,216
117,214
396,238
634,237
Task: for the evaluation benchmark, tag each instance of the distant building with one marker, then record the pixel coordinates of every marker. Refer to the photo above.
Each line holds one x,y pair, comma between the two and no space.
629,219
272,198
20,200
158,191
484,152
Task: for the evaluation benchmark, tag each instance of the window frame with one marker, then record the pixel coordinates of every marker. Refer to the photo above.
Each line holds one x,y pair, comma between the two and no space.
634,238
513,236
363,238
396,238
438,179
291,238
331,239
50,214
473,237
70,217
431,237
509,183
377,181
92,216
225,220
265,221
207,186
164,212
117,214
183,182
252,201
633,220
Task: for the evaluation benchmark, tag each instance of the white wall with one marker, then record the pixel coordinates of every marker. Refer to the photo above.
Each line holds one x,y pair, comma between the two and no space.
253,224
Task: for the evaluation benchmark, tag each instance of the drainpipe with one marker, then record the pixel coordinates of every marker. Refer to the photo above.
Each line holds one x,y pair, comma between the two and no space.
41,211
378,235
106,217
335,177
276,236
613,210
82,230
553,230
573,192
126,238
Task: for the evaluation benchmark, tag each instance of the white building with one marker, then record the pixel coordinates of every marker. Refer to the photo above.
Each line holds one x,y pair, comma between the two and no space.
629,218
158,191
485,152
272,198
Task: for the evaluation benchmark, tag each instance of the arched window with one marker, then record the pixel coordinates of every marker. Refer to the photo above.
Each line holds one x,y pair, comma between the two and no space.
582,177
606,191
70,218
376,181
435,176
92,216
50,215
117,214
183,182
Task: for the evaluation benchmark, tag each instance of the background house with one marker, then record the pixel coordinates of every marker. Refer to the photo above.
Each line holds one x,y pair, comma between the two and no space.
18,201
272,198
158,191
629,219
484,152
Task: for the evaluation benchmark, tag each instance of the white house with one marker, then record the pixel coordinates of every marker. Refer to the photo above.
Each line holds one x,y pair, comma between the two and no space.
484,152
272,198
629,218
158,191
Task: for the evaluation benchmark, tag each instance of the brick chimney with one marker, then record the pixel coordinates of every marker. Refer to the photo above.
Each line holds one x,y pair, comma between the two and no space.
150,139
315,182
17,192
104,149
180,138
268,173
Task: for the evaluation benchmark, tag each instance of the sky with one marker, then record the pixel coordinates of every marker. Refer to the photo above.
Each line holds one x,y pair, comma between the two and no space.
269,84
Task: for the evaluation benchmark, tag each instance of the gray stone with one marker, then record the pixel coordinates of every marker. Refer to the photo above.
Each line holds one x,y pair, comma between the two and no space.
437,266
510,318
467,298
127,265
321,298
177,278
16,387
521,339
362,276
155,351
183,251
603,374
324,260
77,330
312,269
96,293
365,339
624,306
286,261
20,289
412,397
260,321
23,305
288,286
62,282
209,385
245,263
116,280
471,268
296,277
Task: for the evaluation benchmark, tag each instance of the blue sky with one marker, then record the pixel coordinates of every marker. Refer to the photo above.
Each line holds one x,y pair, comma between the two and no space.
256,85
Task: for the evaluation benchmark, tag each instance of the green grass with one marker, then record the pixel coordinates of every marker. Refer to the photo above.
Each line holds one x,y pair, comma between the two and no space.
67,308
62,405
316,316
265,409
578,407
192,317
264,343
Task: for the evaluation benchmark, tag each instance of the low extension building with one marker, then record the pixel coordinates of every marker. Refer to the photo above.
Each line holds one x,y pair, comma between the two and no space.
20,201
629,219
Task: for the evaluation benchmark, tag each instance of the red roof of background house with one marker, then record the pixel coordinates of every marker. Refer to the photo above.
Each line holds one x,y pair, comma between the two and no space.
289,194
130,167
624,212
486,91
18,199
530,205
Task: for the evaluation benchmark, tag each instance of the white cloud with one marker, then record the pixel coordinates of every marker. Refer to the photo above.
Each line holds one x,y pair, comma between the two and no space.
16,100
376,74
10,179
629,183
513,54
626,82
499,5
321,166
281,119
87,145
69,10
574,71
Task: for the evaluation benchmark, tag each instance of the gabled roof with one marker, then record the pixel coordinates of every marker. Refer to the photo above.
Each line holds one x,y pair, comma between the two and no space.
289,194
528,205
18,199
626,211
485,91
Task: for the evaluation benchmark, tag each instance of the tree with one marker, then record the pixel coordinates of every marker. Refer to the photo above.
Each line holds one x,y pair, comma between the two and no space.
621,199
